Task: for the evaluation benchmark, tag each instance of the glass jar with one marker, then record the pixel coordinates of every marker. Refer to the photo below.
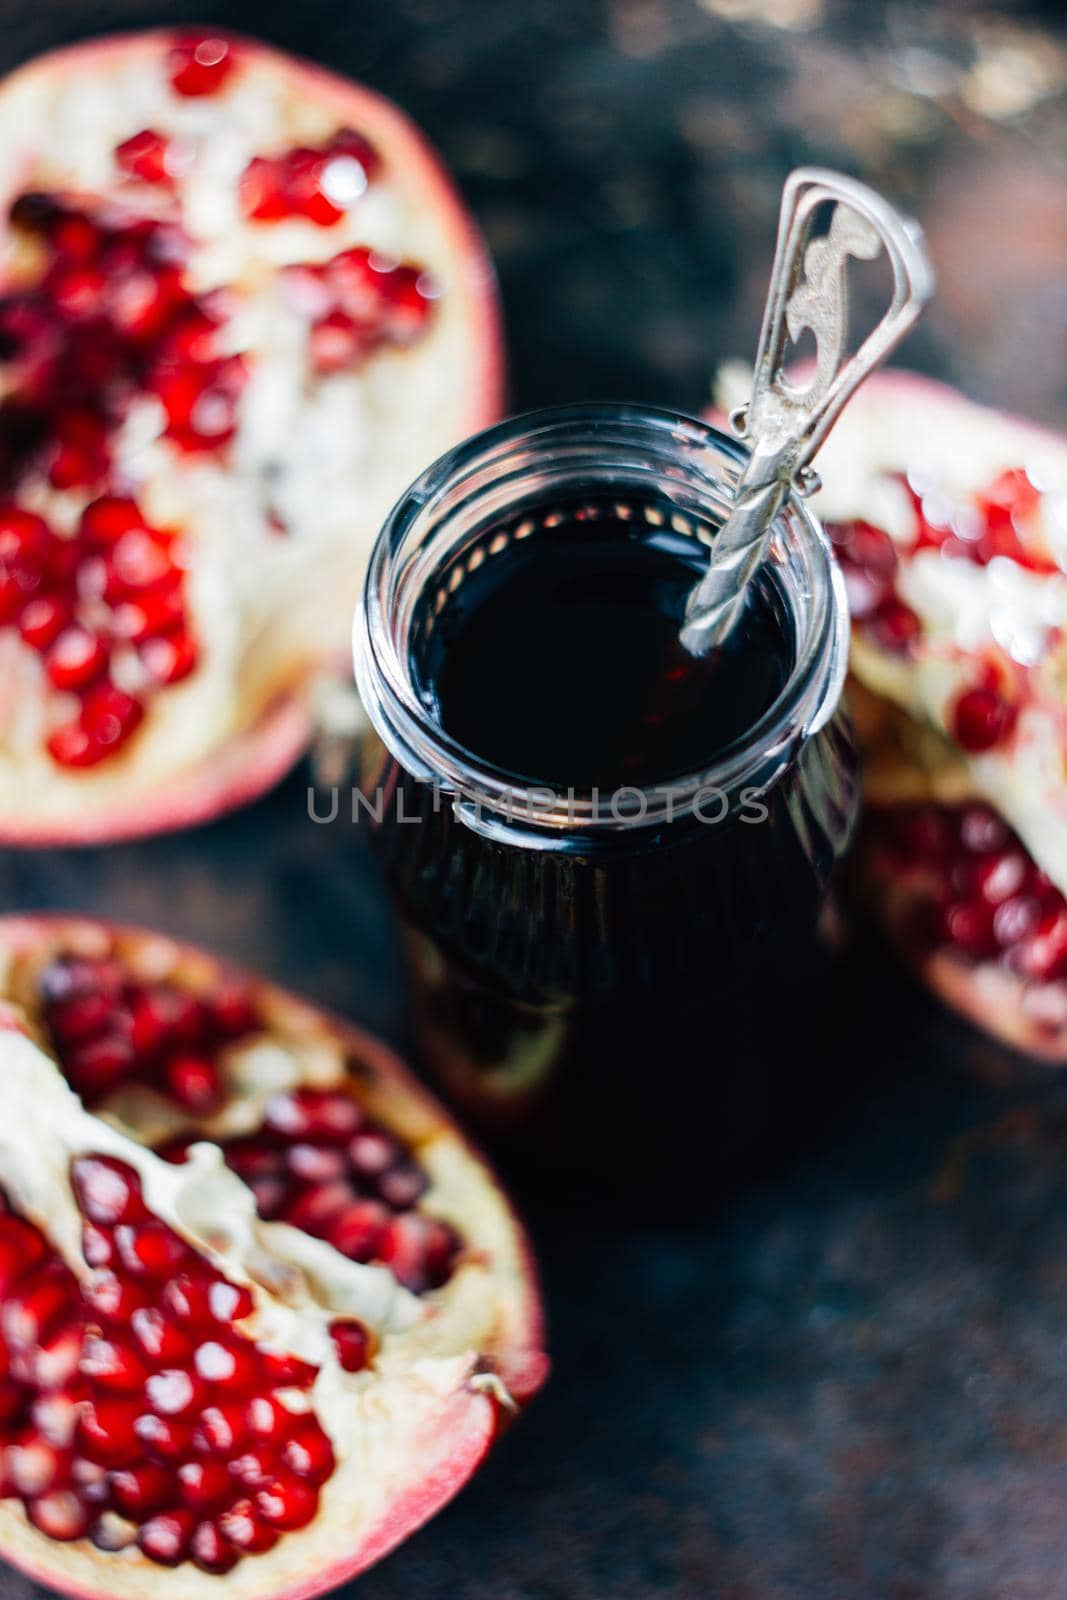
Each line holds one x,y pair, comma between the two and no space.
604,979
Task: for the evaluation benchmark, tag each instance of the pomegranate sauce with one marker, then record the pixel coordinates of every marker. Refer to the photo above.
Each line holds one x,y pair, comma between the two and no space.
610,856
557,660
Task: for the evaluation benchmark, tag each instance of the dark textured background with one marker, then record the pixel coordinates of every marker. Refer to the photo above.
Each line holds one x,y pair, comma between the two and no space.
850,1383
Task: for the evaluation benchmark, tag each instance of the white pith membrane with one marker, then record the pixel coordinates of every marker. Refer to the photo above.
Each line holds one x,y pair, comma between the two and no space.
447,1365
952,451
324,454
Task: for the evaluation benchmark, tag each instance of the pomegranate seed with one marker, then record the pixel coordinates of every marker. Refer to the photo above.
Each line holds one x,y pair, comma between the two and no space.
162,1342
357,1230
112,1533
419,1250
76,658
170,658
1015,920
210,1551
286,1503
73,746
225,1364
108,1191
313,1210
151,1249
12,1403
146,156
141,1490
372,1153
166,1538
204,1484
200,65
96,1067
112,1366
31,1465
98,1247
151,615
233,1012
55,1416
72,977
106,1431
110,716
35,1306
269,1196
78,292
970,927
21,1249
894,625
141,559
107,518
253,1468
1012,492
316,1115
163,1439
43,619
981,719
284,1371
185,1298
244,1530
222,1428
112,1297
352,1343
402,1186
981,830
55,1362
307,1453
194,1083
174,1393
266,1418
313,1164
999,876
60,1515
84,1017
336,342
229,1302
1044,956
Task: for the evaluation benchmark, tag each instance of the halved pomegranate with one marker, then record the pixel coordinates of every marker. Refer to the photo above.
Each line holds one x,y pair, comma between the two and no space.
950,522
240,308
258,1333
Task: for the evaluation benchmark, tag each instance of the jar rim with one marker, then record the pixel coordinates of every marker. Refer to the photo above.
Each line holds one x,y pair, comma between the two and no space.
492,801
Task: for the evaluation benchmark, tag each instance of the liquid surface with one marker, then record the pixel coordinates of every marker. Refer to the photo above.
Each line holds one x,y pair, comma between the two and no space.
557,660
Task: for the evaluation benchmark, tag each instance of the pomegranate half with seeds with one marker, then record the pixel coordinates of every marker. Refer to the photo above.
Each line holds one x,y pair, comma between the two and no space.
262,1311
240,309
950,523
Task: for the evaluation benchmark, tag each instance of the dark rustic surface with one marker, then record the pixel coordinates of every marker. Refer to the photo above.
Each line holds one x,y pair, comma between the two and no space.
851,1383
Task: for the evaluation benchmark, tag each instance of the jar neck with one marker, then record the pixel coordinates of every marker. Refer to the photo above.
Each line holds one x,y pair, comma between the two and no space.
591,451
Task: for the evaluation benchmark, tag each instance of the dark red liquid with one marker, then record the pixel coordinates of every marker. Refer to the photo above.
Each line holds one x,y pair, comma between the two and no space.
628,1000
558,659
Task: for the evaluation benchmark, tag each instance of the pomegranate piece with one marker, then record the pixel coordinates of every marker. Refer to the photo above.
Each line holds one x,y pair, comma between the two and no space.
123,377
140,1390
